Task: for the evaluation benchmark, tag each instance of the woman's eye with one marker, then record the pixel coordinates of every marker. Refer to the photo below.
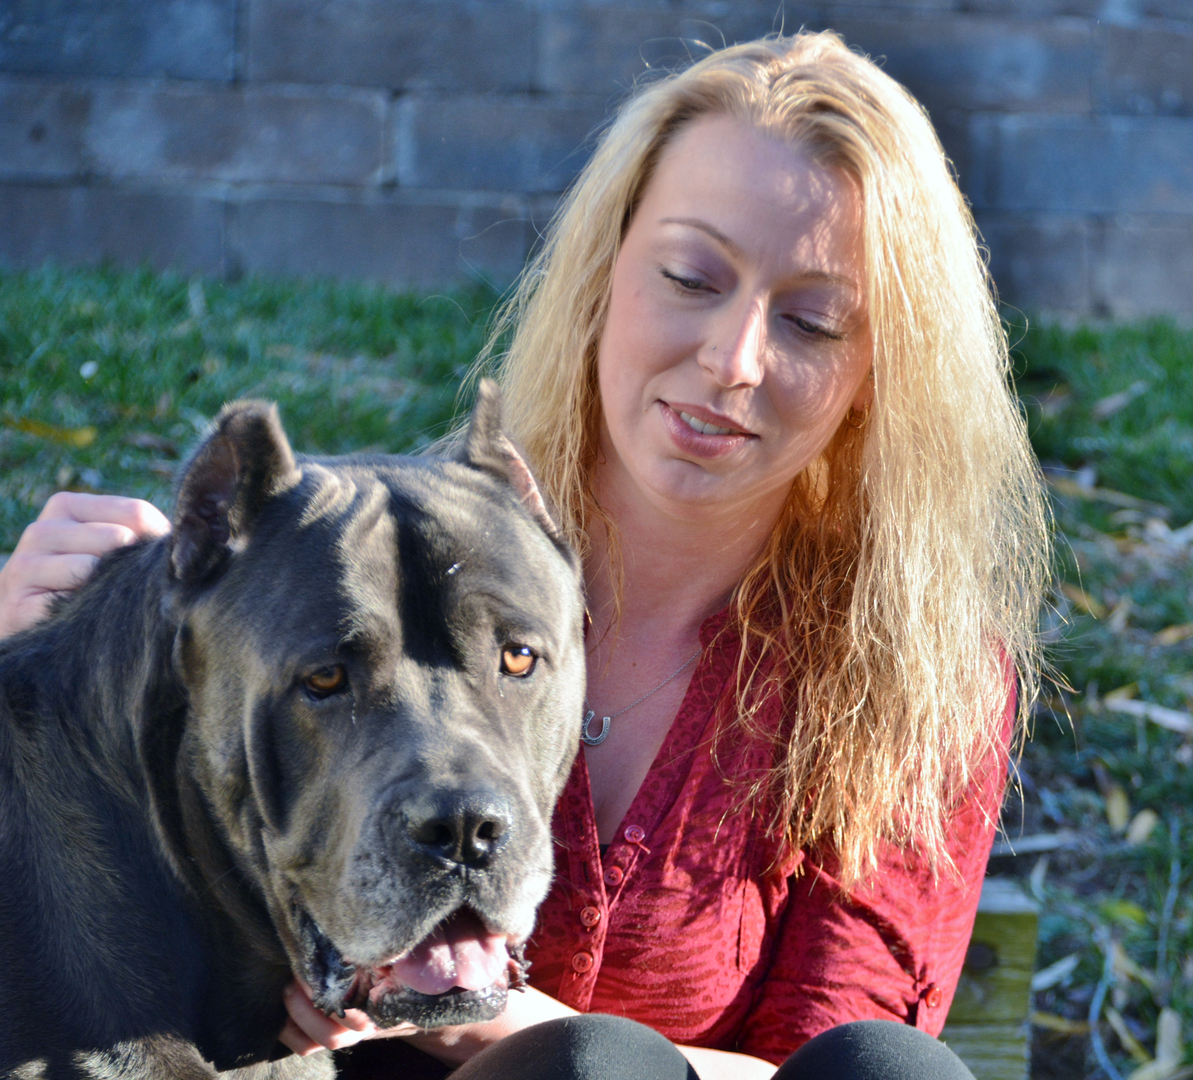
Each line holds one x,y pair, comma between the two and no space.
685,284
517,660
815,329
326,681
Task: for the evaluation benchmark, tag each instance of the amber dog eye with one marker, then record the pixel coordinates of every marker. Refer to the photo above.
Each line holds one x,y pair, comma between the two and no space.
326,681
517,660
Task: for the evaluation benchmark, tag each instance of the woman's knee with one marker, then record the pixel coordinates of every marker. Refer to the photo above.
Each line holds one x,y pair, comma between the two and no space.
873,1050
592,1047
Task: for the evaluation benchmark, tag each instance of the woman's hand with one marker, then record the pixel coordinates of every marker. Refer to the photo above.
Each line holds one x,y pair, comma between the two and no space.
59,550
309,1030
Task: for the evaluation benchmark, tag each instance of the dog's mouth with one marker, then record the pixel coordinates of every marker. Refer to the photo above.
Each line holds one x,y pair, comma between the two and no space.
460,973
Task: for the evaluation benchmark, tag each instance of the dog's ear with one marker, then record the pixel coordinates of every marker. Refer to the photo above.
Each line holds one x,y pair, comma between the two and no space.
488,447
244,460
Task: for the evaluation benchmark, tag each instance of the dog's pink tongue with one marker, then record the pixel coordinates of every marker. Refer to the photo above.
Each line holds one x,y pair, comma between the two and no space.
458,953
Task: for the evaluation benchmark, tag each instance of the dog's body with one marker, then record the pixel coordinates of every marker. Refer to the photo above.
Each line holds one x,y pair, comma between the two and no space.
319,730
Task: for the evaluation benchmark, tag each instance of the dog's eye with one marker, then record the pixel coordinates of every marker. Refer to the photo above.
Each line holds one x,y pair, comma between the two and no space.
326,681
517,660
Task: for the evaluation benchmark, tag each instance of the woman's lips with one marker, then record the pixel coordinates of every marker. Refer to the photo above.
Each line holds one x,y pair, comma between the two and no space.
701,433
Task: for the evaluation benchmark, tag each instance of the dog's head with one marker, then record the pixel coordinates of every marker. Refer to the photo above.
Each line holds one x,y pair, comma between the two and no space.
384,664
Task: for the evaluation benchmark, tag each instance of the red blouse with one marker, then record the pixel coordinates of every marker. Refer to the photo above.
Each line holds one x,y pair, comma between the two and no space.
696,923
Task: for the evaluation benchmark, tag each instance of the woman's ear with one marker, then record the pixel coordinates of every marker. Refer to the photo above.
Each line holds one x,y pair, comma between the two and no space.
864,397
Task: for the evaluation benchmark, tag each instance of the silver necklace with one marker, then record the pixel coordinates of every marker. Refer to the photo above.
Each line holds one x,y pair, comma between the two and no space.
590,715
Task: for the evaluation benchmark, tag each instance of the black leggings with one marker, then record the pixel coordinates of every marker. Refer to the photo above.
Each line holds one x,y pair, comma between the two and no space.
596,1047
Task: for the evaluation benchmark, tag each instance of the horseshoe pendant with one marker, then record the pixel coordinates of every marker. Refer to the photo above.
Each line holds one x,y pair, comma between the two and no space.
593,740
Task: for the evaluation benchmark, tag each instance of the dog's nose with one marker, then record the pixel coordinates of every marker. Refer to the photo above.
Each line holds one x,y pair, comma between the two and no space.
463,827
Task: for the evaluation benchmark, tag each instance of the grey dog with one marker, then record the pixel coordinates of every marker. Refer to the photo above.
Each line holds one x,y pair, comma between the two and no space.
318,730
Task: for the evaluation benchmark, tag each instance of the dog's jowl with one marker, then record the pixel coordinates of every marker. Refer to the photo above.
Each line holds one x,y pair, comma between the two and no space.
317,731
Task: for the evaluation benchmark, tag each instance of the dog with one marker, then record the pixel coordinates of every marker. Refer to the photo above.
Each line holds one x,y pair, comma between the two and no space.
318,730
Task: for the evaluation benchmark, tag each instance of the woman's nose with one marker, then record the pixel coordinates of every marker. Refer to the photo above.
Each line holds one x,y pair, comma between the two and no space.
733,355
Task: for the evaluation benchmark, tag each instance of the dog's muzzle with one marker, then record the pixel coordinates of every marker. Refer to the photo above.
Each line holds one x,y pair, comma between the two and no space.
460,973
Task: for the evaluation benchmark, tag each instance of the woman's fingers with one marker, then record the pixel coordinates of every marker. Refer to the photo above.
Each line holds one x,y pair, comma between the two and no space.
48,574
308,1029
58,551
60,536
142,518
297,1040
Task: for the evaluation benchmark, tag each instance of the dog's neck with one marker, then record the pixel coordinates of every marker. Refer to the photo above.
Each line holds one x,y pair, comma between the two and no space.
99,665
95,687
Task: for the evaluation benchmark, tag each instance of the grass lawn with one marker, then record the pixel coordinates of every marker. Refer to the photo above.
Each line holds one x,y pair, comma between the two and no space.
106,379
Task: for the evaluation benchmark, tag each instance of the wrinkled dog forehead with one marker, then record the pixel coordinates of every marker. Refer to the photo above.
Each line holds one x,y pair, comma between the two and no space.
409,546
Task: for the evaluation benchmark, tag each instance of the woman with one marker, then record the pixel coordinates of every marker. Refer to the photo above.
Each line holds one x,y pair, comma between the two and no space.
757,367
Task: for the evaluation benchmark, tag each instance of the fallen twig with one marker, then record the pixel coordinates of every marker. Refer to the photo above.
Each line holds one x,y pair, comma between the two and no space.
1033,845
1172,719
1095,1009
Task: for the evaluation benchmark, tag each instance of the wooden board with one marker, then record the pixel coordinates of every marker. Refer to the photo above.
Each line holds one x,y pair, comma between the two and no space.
987,1026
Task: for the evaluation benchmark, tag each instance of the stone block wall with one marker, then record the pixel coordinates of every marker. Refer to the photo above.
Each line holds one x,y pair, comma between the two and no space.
421,141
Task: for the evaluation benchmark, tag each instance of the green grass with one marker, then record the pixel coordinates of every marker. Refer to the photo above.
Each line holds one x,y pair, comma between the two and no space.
106,379
1123,593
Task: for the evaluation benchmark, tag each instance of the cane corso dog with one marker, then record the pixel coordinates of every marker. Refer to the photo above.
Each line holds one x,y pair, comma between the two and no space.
318,730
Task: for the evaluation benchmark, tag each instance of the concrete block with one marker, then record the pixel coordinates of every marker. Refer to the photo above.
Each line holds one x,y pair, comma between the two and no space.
1107,12
461,45
1168,9
237,135
856,8
182,39
509,143
603,49
981,63
1114,164
402,243
1145,267
1146,70
747,21
1040,263
41,128
73,225
588,48
1034,9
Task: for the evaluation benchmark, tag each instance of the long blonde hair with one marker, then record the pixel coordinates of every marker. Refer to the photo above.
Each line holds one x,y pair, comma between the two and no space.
908,563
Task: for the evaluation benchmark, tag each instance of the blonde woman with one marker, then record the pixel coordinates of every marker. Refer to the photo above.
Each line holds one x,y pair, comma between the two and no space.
758,369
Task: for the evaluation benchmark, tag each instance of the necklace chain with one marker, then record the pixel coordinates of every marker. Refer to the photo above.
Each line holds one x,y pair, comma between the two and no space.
590,715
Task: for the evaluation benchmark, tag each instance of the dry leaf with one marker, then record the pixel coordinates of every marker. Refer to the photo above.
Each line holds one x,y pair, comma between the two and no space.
1169,1044
1119,615
1052,1022
1073,489
1122,693
1083,600
1048,977
1108,406
1131,1044
1036,879
1173,635
1125,967
1172,719
1118,808
1154,1070
80,438
1141,827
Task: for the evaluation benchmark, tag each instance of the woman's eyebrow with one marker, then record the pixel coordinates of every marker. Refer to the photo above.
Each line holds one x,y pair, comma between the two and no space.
734,249
704,227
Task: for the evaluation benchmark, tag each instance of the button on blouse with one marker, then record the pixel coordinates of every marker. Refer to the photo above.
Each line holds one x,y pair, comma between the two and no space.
713,934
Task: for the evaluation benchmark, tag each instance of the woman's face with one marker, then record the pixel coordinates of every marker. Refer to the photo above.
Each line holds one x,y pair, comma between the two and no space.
736,337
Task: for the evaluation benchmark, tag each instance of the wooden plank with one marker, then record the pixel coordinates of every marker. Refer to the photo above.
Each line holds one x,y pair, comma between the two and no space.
987,1026
992,1051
